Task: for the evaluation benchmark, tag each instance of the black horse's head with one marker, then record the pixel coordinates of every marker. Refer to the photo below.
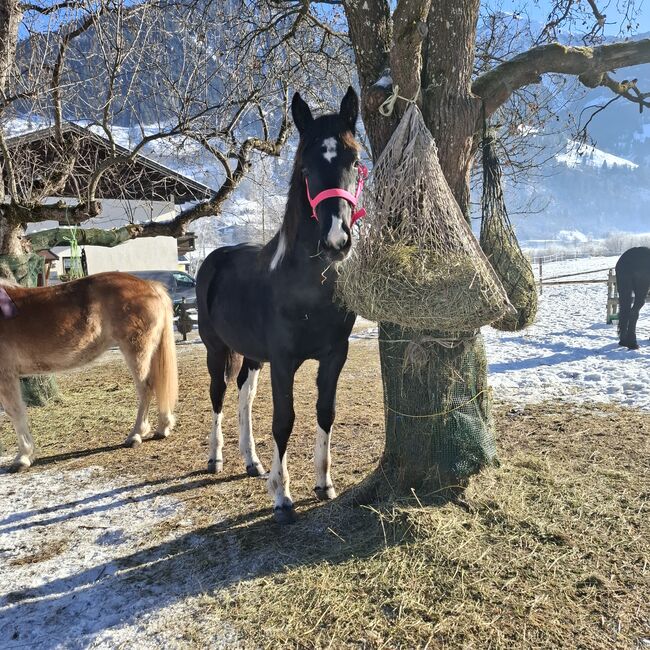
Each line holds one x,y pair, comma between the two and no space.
328,159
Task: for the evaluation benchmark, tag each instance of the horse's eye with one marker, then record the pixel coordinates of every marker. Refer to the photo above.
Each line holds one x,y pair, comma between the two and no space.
356,163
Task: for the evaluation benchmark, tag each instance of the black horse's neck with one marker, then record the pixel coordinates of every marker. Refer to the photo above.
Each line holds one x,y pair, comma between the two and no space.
297,241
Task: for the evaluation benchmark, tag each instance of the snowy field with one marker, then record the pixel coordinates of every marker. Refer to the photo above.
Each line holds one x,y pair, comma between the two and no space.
570,353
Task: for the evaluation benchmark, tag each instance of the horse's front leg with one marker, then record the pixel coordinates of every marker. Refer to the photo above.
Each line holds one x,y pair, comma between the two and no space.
328,376
282,375
12,401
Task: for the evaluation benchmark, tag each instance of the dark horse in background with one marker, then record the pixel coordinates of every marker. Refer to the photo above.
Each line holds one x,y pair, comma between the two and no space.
633,284
275,303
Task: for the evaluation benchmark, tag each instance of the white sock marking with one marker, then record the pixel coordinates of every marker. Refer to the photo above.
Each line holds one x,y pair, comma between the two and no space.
322,458
216,439
279,252
246,396
278,484
330,149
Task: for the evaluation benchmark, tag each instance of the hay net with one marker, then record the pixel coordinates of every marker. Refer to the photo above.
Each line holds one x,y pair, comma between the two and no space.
416,262
436,396
500,244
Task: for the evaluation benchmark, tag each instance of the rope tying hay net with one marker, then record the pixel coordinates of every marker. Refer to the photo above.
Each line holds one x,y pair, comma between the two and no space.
499,243
417,263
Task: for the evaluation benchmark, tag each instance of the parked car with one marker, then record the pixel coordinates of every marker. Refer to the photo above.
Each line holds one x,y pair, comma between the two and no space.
179,284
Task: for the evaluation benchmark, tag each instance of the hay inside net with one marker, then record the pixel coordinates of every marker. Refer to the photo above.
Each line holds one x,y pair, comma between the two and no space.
500,244
416,262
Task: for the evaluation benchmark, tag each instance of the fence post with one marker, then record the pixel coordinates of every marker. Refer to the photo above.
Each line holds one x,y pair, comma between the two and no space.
540,276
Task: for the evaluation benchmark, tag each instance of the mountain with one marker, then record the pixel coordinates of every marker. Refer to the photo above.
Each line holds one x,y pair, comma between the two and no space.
593,188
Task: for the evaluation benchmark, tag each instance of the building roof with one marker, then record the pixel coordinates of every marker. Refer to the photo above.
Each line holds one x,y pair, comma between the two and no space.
140,179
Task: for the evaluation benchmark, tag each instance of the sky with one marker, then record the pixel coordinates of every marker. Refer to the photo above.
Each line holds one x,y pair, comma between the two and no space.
539,9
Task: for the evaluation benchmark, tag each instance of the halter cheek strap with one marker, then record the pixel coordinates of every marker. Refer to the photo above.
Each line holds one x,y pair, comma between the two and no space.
337,192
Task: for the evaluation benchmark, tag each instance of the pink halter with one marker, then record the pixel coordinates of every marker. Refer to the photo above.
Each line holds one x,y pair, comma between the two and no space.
352,199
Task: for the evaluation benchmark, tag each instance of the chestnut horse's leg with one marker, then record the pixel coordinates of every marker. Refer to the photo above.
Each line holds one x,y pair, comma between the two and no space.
139,363
329,370
13,404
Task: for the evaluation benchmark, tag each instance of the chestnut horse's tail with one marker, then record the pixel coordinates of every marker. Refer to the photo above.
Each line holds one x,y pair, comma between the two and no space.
164,370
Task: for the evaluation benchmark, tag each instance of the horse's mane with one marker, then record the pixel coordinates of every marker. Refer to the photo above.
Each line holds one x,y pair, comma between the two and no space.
4,282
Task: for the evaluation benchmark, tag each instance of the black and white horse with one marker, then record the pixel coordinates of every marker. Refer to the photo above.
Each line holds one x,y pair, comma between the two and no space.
633,283
275,303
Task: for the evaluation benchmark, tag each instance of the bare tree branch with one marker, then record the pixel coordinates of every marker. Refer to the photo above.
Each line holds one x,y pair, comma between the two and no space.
590,65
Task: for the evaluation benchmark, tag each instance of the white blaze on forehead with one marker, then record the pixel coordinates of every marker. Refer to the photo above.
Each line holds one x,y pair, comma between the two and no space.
330,149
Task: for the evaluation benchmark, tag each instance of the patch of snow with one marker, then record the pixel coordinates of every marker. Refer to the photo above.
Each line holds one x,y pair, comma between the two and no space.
82,567
577,154
384,82
573,236
570,353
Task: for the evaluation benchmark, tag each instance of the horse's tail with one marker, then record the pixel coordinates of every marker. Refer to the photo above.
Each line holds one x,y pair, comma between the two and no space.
164,369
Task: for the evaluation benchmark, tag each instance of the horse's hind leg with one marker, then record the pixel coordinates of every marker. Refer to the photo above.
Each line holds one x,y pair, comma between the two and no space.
13,403
247,384
625,304
640,296
220,367
139,363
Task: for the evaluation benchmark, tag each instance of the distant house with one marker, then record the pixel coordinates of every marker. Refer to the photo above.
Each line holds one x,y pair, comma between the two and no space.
142,190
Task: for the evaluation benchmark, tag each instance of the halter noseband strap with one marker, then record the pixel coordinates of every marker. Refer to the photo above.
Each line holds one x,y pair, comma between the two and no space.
337,192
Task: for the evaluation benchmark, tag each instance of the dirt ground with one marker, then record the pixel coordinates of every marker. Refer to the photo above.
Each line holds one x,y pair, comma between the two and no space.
554,553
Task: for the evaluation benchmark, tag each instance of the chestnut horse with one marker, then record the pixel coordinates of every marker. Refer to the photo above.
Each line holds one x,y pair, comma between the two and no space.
50,329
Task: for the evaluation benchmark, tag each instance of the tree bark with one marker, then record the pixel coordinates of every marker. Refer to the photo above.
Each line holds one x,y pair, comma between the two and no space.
438,425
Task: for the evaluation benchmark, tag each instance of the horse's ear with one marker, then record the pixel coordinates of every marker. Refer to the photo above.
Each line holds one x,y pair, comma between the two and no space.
302,116
350,109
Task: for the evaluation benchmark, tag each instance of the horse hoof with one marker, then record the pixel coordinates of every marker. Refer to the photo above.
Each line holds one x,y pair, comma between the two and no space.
161,435
326,493
215,466
255,470
133,442
284,515
632,346
16,468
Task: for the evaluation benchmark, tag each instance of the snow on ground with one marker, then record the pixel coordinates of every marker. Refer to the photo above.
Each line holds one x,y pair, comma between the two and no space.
570,352
80,556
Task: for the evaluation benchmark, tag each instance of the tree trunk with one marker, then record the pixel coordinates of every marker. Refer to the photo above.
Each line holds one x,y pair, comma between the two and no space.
438,426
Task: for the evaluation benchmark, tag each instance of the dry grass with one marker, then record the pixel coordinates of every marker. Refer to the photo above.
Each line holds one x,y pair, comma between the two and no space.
555,552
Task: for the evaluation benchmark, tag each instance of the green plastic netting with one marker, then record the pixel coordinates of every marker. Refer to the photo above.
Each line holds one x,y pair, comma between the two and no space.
437,403
24,269
499,243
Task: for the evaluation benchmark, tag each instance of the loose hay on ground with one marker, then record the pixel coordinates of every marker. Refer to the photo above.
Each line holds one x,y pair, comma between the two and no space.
554,553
